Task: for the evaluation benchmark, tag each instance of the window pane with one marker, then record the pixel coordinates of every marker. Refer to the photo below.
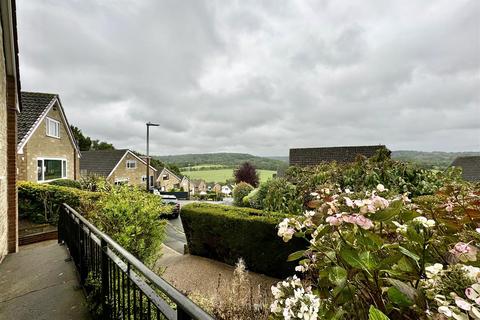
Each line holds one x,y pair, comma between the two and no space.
39,170
53,169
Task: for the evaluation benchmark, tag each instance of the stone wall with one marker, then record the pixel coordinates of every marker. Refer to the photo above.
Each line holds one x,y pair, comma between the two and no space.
170,182
3,156
42,146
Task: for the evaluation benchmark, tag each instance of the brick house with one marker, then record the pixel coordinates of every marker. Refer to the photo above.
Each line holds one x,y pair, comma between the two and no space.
9,109
117,166
46,148
167,180
185,184
470,167
314,156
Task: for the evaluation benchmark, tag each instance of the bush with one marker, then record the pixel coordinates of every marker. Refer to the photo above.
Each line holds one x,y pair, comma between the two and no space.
227,233
131,217
258,195
66,183
247,172
282,196
240,191
41,203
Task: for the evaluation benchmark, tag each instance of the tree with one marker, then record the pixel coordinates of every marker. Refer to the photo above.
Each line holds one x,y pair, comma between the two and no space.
101,145
84,142
247,173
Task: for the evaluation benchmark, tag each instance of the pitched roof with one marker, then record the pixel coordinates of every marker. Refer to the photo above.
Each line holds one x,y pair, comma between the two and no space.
314,156
101,162
34,104
470,167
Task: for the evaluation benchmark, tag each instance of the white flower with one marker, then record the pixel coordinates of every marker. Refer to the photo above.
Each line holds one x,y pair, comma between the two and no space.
446,311
462,304
349,202
472,272
401,228
381,187
433,270
427,223
300,268
347,191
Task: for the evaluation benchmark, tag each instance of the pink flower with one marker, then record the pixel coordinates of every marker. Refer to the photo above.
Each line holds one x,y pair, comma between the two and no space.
363,222
349,202
334,220
464,252
449,206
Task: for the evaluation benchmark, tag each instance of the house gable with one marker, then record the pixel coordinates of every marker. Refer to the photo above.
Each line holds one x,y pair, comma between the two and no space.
134,174
36,145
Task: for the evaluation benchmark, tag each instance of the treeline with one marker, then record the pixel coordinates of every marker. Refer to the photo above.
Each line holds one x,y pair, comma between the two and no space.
430,159
228,160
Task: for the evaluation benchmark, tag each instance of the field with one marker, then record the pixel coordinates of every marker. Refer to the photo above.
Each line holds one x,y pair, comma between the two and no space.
222,175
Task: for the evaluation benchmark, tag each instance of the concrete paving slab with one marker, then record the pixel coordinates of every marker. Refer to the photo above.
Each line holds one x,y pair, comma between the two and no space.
37,283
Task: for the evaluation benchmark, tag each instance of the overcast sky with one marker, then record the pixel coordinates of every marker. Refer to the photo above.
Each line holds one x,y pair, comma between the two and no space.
259,76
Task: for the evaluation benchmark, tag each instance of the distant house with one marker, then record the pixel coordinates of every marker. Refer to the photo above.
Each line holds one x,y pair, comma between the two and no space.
185,184
167,180
470,167
314,156
117,166
199,186
226,190
46,148
217,188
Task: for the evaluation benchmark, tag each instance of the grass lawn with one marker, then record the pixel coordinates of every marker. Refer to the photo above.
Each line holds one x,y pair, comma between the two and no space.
221,175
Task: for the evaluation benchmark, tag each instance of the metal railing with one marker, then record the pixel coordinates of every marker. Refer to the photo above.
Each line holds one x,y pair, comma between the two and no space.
119,286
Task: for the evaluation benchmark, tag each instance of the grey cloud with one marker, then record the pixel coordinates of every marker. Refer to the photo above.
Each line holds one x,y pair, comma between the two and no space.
259,76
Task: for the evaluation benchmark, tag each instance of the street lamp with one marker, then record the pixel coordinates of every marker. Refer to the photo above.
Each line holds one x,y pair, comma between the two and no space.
149,124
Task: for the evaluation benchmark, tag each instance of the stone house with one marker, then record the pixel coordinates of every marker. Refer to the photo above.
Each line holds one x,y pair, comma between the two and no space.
9,109
185,184
167,180
314,156
46,148
117,166
470,167
226,190
217,188
199,186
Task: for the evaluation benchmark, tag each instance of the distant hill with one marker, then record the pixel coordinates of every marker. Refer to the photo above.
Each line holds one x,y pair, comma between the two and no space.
430,159
226,160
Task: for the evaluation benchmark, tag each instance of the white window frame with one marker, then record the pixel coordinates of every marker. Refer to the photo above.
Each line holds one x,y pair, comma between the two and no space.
151,182
64,168
130,162
57,126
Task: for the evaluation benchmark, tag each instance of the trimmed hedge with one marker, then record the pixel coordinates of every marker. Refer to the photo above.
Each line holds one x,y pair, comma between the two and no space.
40,203
227,233
66,183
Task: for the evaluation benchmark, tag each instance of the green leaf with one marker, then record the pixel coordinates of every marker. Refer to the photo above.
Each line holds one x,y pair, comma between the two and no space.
353,259
296,255
398,298
375,314
409,254
409,291
368,259
385,215
337,275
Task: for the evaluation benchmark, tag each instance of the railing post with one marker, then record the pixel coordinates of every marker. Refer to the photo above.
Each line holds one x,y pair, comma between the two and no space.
61,226
182,315
105,280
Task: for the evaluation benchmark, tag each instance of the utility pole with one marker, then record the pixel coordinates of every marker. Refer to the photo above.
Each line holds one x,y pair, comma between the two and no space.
149,124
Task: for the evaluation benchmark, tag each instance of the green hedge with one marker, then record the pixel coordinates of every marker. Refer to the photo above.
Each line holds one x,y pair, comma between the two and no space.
227,233
40,203
66,183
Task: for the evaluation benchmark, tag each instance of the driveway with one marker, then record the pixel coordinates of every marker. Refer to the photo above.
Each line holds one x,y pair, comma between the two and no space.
175,237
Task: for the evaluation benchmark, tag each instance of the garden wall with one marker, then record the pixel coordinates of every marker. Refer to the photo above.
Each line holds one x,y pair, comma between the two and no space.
227,233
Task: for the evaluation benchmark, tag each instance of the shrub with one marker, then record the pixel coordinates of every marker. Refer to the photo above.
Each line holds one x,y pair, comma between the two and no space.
227,233
282,196
66,183
247,172
132,218
385,255
240,191
41,203
258,195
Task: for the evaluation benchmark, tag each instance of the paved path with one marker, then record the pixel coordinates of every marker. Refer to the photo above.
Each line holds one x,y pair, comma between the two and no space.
37,283
175,237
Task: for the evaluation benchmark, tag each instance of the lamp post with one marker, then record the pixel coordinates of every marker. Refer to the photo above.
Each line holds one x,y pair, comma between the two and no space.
149,124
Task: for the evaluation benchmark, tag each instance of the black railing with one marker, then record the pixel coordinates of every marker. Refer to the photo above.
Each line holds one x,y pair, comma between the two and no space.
118,285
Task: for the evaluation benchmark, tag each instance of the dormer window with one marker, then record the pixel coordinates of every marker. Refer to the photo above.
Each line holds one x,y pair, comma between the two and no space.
131,164
53,128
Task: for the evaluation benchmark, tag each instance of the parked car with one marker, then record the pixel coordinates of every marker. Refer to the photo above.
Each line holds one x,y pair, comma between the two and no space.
172,200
